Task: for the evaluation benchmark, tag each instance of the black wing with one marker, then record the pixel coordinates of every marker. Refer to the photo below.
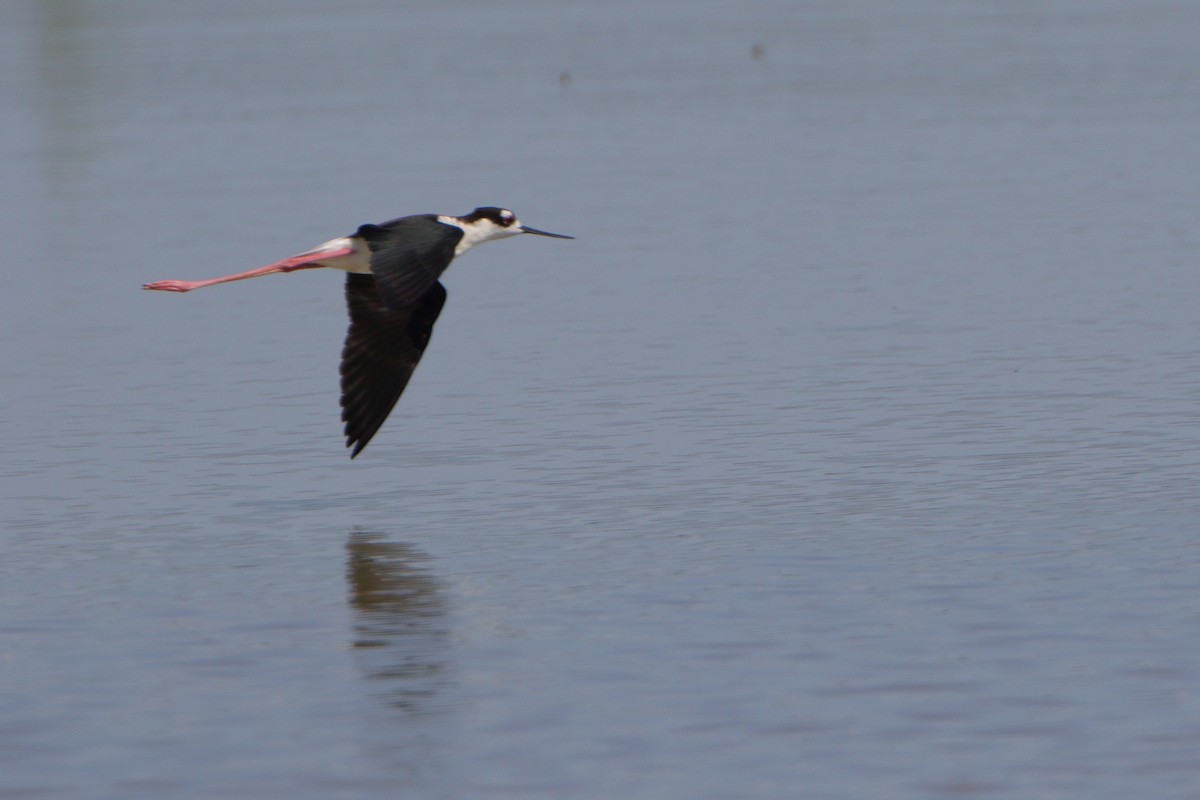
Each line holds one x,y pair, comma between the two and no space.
382,349
408,255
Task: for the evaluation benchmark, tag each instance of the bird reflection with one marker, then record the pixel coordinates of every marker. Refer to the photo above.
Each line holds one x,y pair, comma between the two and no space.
400,635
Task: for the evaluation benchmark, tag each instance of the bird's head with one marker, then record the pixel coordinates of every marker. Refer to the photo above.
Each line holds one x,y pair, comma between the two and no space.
498,223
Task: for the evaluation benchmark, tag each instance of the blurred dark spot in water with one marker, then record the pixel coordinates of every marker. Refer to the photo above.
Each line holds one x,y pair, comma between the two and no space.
398,626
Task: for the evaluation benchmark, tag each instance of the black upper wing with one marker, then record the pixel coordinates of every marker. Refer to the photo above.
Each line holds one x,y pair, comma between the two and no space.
408,255
382,349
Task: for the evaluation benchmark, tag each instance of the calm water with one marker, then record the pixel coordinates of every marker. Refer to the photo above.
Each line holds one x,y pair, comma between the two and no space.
851,451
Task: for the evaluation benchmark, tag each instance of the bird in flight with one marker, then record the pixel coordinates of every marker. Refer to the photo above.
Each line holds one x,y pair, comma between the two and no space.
393,295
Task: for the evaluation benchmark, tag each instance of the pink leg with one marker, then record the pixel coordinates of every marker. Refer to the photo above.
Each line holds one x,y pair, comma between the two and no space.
310,260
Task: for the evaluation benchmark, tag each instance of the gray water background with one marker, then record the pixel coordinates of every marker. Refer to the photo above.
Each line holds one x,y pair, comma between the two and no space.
850,451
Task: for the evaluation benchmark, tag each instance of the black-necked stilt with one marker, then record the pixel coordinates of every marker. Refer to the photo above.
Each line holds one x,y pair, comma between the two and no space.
393,295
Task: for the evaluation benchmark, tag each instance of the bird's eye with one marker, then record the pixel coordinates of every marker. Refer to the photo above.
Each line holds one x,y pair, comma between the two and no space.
507,219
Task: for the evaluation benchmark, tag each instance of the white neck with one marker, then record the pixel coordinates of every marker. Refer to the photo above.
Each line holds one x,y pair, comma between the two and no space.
477,232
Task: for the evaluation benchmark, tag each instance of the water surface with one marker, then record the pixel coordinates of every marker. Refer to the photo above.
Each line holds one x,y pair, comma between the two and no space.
849,452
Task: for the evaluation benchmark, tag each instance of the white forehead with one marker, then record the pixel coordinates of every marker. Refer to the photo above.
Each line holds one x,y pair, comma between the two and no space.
507,215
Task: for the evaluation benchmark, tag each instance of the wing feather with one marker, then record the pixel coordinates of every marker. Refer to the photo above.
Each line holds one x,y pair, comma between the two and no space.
408,255
383,346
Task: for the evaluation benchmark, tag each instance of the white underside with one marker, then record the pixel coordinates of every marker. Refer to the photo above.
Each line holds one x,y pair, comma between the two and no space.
357,261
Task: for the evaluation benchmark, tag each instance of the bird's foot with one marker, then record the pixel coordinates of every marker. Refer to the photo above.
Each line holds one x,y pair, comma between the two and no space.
170,286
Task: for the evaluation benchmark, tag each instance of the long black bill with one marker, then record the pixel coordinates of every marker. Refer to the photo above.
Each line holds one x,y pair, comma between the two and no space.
527,229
